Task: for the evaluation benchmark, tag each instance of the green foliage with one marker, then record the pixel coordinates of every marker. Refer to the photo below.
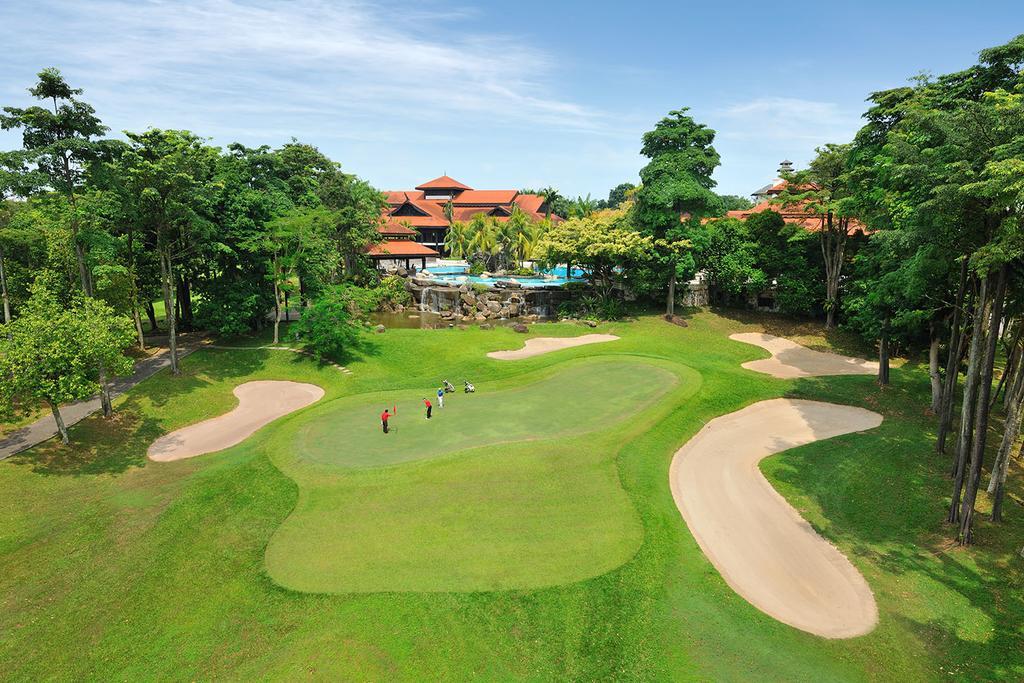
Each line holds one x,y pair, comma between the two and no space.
606,245
51,351
734,202
676,190
389,292
327,328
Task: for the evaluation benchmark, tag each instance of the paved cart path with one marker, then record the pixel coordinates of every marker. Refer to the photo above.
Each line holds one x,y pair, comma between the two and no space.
46,427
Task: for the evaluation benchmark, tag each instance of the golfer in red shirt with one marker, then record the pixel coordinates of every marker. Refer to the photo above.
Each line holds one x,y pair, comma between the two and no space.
384,420
429,406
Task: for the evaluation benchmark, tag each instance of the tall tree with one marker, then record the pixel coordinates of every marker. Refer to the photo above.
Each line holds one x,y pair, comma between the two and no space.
676,189
57,144
168,176
823,190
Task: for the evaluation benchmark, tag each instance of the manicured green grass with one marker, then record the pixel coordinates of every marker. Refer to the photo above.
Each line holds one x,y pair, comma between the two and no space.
112,567
506,515
572,400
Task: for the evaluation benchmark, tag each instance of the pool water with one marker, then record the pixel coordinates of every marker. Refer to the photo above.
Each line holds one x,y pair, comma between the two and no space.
459,275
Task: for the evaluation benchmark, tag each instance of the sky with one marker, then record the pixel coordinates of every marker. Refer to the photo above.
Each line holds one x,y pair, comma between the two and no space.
494,94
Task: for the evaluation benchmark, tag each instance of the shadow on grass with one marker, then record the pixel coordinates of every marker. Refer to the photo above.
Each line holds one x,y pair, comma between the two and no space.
883,494
803,331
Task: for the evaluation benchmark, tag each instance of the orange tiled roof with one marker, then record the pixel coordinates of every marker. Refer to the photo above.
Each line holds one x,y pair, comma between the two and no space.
485,197
530,203
794,215
443,183
395,226
399,248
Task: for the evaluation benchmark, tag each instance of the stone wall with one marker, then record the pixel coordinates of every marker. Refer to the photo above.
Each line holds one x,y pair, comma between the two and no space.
467,304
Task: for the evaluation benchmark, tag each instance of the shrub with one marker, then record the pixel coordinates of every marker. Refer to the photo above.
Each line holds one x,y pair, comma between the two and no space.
593,307
231,308
327,329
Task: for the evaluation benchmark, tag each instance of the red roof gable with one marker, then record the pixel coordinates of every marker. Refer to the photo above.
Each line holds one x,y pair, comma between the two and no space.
399,248
443,183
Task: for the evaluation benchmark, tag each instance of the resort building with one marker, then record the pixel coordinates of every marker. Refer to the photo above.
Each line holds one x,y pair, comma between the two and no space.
766,199
415,222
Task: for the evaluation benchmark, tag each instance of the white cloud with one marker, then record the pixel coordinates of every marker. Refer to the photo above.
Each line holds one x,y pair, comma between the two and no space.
785,119
307,58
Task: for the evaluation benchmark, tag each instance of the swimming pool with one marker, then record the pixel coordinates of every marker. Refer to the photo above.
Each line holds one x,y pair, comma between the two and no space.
459,275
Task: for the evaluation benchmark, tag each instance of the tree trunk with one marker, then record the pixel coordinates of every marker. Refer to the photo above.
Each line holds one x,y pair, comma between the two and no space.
138,326
883,358
277,311
956,342
185,303
670,307
287,314
108,408
151,314
3,290
968,405
933,369
966,535
167,281
1011,431
61,429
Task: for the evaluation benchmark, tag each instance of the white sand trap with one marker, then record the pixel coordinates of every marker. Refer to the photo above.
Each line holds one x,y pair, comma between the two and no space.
760,545
539,345
259,403
790,359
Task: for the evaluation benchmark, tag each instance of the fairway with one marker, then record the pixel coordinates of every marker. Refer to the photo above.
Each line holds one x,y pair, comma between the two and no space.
516,501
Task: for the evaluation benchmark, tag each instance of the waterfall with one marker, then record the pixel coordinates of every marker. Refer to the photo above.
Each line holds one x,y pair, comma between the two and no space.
425,300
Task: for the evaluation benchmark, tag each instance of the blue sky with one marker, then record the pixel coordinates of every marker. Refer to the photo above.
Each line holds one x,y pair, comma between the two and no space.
498,95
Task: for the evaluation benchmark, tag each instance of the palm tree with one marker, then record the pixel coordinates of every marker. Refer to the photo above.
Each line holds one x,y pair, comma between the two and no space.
457,240
484,238
581,207
551,197
519,230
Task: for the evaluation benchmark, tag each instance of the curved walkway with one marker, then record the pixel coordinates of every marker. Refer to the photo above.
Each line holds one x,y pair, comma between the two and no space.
760,545
46,428
790,360
259,403
541,345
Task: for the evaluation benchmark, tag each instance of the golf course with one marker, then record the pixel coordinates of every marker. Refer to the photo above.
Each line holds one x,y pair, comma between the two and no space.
528,530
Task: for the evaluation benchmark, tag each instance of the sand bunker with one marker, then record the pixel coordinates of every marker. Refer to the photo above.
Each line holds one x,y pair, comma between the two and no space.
539,345
790,360
760,545
258,404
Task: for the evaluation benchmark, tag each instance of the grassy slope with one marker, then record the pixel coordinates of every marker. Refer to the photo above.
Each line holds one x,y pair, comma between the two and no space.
110,566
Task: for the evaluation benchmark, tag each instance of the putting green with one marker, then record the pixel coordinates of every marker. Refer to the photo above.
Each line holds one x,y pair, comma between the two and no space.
521,499
576,399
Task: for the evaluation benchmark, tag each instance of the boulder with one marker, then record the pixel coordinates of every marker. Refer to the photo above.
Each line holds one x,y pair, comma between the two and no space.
590,323
521,328
480,317
467,318
513,310
463,289
486,326
379,329
402,272
493,306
